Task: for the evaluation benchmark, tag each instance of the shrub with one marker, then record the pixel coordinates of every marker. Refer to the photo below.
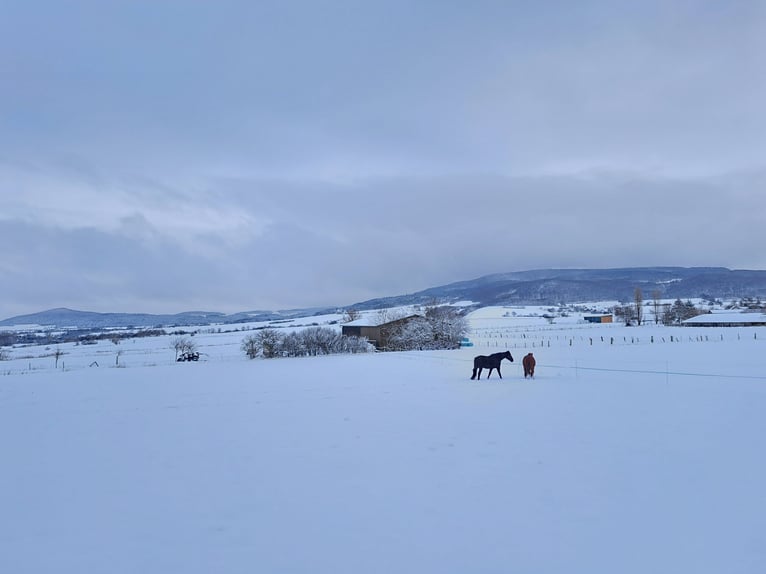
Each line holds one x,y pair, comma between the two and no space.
312,341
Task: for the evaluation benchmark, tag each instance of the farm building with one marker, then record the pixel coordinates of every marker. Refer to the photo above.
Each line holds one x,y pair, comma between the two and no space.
374,330
598,318
728,319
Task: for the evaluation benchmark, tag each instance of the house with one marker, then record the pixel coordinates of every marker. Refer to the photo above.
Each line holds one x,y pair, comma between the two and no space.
727,319
598,318
375,330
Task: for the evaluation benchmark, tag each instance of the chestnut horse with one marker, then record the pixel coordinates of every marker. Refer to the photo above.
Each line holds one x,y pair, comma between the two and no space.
529,365
489,362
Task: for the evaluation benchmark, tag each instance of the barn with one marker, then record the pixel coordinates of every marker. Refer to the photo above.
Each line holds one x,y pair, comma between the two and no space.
375,329
727,319
598,318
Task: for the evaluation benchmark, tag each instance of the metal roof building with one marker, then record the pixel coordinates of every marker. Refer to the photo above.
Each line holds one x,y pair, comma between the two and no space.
727,319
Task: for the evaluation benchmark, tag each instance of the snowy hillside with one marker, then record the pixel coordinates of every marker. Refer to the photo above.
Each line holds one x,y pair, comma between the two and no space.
634,450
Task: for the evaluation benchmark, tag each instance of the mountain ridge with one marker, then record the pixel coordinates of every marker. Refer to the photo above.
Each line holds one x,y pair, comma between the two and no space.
63,318
552,286
536,286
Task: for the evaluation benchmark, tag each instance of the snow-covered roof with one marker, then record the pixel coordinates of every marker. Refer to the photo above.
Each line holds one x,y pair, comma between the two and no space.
738,318
374,321
363,322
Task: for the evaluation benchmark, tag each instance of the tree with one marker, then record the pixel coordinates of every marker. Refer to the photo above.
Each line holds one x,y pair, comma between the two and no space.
264,342
269,342
351,315
442,327
292,345
638,300
680,311
183,345
656,304
317,340
666,315
449,325
624,313
354,344
58,354
250,346
416,333
388,320
311,341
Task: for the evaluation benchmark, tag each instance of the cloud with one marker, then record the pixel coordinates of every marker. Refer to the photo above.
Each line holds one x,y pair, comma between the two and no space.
330,245
166,156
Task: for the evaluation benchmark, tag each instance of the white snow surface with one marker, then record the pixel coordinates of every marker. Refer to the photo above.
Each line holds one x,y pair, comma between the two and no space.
628,453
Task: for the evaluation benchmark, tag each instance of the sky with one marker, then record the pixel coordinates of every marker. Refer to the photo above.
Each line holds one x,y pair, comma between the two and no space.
174,155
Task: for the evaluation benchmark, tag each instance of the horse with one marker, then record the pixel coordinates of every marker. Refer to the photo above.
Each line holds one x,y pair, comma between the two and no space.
489,362
529,365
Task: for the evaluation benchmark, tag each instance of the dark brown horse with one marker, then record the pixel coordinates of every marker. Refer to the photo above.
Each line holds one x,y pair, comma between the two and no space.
529,365
489,362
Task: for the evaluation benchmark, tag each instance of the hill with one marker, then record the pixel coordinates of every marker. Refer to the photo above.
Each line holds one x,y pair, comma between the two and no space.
69,318
534,287
551,286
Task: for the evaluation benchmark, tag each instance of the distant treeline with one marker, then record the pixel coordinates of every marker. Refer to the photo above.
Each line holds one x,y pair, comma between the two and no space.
81,336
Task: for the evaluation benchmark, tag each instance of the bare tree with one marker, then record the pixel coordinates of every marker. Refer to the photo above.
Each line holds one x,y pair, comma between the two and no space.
269,342
351,315
656,305
250,346
384,316
624,313
638,300
57,354
666,314
292,345
266,343
388,320
311,341
183,345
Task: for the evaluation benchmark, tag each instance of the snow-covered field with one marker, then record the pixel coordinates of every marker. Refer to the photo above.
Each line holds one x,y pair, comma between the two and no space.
629,453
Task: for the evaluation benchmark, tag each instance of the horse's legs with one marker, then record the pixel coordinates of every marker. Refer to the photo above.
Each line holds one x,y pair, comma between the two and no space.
498,372
473,376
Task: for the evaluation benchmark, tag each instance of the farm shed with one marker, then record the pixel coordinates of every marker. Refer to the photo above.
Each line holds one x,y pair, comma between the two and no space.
598,318
746,319
374,330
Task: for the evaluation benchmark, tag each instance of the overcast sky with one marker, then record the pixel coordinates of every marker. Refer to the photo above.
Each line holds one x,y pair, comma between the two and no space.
174,155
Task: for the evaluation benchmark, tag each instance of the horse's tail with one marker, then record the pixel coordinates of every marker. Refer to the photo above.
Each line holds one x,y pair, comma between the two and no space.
473,376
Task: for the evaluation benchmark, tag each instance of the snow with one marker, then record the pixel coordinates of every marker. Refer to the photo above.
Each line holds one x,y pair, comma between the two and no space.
628,453
370,320
727,317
